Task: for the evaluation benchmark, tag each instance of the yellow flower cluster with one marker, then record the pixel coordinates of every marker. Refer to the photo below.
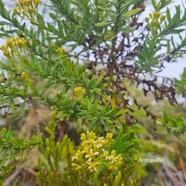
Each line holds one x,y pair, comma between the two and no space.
79,92
62,53
24,75
155,17
26,7
12,45
154,20
95,152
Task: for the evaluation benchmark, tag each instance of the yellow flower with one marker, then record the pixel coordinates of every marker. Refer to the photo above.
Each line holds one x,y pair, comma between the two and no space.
9,42
31,11
110,166
79,92
162,18
7,54
93,166
156,15
86,150
78,167
61,50
113,152
99,142
24,1
91,155
16,10
77,155
94,151
36,2
14,42
83,136
12,45
109,136
113,102
113,159
105,154
24,75
91,135
26,7
27,2
106,38
85,143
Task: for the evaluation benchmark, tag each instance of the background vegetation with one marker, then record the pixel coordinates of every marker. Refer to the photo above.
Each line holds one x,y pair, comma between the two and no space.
80,98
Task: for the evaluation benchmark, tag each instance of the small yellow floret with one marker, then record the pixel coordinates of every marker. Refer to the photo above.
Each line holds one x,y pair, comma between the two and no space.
79,92
24,75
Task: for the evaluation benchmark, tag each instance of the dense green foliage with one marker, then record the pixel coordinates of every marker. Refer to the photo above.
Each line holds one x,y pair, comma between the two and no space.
11,150
67,73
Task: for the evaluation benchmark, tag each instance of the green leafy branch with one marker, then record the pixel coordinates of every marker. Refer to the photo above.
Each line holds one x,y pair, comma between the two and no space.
12,151
174,123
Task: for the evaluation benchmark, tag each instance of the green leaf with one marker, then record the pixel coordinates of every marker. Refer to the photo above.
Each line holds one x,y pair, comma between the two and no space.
132,12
